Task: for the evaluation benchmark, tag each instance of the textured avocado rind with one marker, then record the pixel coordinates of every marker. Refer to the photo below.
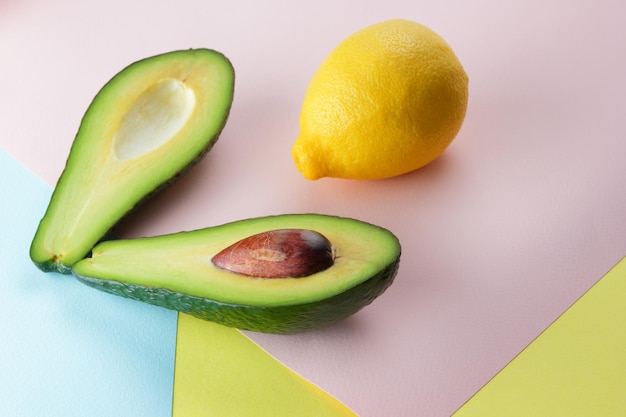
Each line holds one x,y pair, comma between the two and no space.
54,266
287,319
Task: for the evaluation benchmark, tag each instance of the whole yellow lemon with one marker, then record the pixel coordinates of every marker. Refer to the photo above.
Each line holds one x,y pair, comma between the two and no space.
387,100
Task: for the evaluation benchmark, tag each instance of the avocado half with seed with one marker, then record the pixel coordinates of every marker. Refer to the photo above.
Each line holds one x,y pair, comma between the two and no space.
148,125
276,274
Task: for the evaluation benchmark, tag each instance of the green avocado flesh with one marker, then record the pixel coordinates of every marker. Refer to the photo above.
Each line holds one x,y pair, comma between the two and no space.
176,271
148,125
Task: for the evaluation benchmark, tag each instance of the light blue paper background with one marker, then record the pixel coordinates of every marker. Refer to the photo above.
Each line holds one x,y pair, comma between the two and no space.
67,349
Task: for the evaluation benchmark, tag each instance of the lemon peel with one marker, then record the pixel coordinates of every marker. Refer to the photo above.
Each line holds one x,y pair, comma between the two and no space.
389,99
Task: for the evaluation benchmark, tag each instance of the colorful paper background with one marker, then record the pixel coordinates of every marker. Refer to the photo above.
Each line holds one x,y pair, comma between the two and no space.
66,349
575,368
520,216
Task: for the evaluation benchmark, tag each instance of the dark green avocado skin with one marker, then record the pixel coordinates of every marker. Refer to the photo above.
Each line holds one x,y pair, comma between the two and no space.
53,266
288,319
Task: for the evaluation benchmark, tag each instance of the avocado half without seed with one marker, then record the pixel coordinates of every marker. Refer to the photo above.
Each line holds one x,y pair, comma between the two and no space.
276,274
148,125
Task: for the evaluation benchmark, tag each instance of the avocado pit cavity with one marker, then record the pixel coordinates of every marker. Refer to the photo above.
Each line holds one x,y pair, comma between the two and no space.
154,118
278,253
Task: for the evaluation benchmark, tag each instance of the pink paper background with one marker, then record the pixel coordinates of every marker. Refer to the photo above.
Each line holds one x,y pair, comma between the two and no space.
522,214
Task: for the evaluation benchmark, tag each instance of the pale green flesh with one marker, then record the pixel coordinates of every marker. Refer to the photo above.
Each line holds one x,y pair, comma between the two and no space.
181,263
147,125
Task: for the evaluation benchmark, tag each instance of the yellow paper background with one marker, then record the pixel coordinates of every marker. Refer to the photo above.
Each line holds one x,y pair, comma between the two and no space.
220,372
575,368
